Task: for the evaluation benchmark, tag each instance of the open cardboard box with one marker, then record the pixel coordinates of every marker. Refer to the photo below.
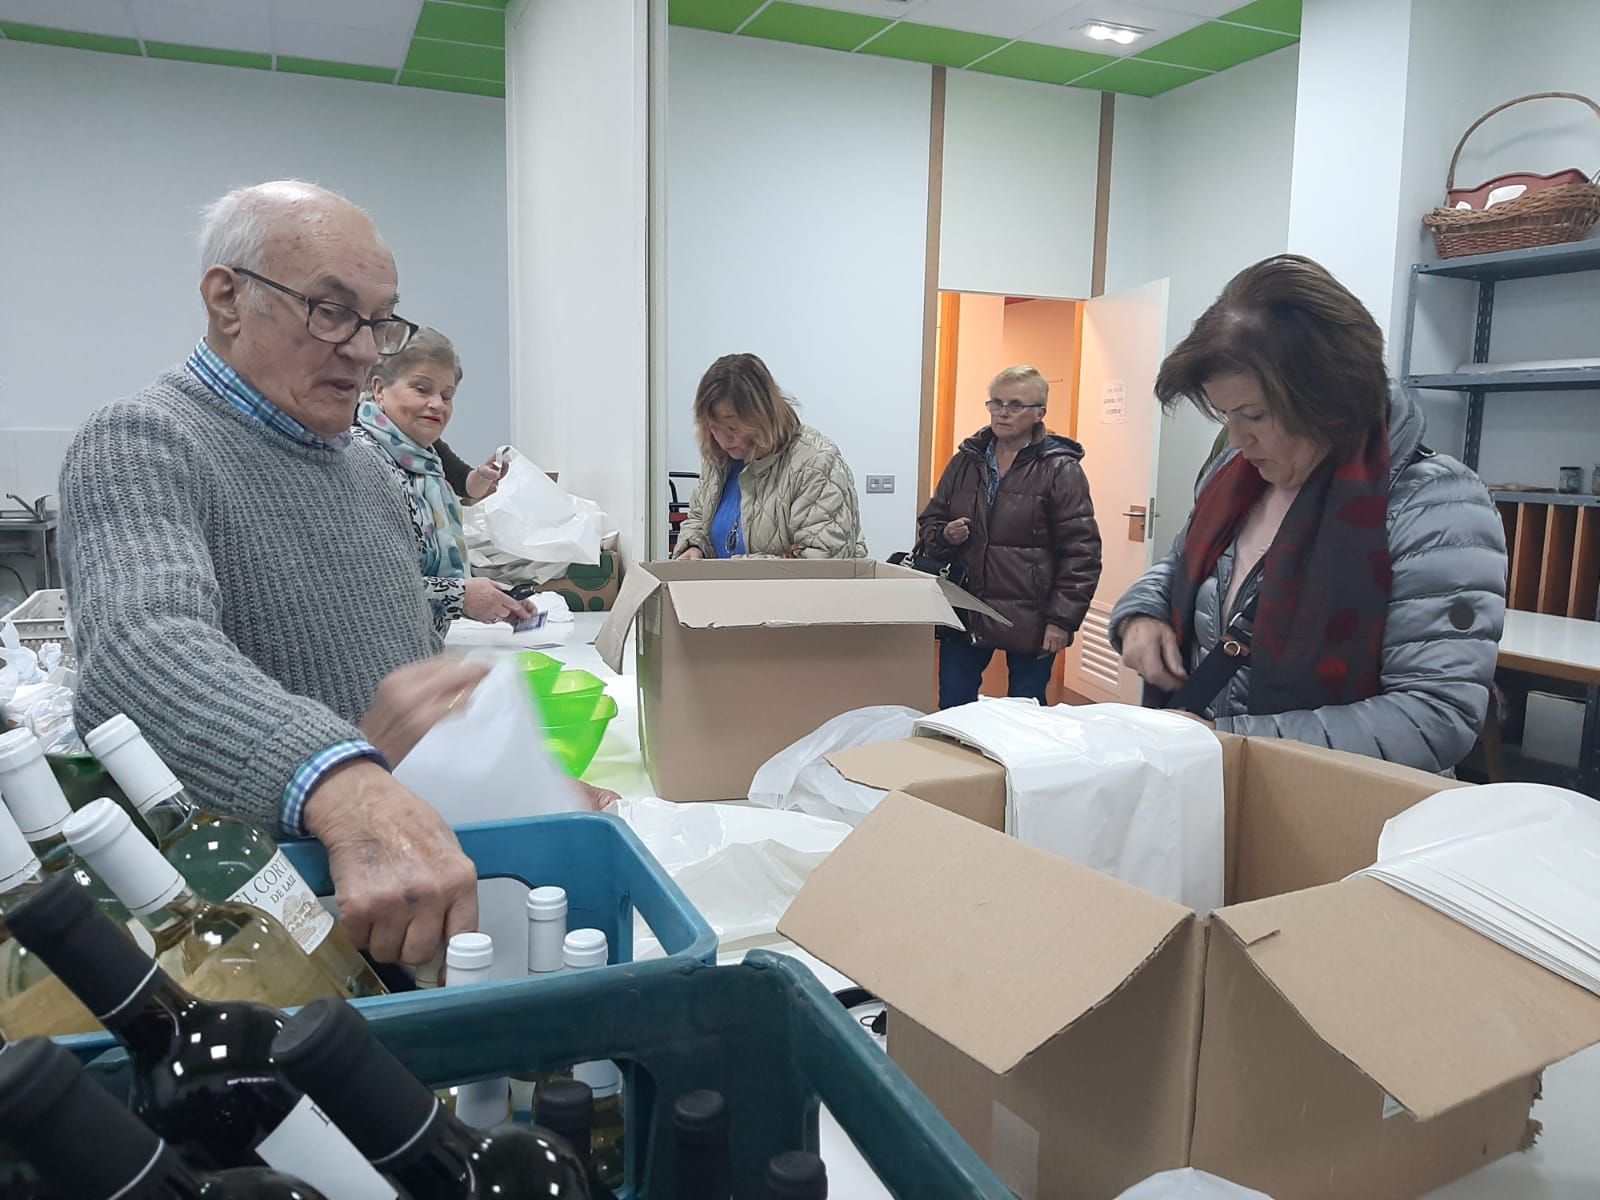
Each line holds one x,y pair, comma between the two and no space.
1317,1038
739,658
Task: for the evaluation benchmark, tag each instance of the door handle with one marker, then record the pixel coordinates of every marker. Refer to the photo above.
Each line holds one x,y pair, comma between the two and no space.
1138,515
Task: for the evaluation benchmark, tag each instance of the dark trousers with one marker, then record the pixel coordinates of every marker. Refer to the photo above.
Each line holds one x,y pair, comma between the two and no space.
961,667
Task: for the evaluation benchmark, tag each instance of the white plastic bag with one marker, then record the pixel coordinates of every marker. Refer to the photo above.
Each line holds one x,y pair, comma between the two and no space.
799,776
1189,1184
488,761
531,517
1131,792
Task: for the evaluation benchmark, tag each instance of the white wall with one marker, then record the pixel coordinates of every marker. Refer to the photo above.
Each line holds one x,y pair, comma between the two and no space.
1020,161
1200,189
797,184
106,161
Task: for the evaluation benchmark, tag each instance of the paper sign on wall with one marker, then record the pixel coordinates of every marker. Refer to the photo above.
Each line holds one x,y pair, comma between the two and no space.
1113,403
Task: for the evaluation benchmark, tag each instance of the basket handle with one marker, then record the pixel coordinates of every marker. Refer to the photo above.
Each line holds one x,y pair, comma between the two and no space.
1450,179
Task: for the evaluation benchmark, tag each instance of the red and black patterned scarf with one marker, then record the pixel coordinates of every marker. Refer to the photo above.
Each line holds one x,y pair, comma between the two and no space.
1325,585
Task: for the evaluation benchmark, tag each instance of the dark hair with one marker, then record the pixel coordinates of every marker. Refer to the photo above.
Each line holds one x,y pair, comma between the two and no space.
1305,338
745,383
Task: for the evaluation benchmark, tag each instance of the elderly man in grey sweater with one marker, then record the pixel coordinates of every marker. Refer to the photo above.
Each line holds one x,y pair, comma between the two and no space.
243,581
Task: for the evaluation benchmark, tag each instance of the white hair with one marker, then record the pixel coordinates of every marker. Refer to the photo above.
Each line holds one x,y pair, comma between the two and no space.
234,228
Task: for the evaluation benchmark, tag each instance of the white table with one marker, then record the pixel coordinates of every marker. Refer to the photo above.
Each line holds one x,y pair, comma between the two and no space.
1559,647
1564,1165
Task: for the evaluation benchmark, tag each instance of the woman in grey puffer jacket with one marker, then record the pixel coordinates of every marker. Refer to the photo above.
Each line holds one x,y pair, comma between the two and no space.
1363,574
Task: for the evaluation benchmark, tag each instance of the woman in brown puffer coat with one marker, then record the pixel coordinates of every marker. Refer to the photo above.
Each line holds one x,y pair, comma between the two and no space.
1013,508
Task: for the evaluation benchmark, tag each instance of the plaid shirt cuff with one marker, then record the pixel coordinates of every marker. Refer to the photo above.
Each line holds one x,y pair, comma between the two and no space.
310,774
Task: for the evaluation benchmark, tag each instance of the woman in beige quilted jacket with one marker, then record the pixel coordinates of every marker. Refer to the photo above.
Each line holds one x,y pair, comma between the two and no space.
769,487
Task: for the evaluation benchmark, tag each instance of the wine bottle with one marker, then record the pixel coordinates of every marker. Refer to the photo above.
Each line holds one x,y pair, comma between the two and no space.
566,1107
220,951
547,930
469,961
224,859
327,1050
33,1002
48,1107
797,1175
584,950
40,807
202,1071
705,1166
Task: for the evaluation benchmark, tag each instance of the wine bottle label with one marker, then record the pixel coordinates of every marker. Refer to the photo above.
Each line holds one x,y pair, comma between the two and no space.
308,1146
278,889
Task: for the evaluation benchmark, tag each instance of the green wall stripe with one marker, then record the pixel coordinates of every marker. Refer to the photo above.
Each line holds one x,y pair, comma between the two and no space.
206,54
43,36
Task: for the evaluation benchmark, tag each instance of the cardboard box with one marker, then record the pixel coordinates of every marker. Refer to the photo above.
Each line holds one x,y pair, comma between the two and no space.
739,658
1317,1039
589,587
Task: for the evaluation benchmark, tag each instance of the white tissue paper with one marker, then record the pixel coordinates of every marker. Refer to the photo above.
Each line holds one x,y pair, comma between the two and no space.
1189,1184
1517,862
487,761
800,777
741,867
1131,792
531,522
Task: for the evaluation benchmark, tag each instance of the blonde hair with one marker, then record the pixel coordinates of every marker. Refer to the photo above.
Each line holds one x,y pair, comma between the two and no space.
1022,373
749,389
426,346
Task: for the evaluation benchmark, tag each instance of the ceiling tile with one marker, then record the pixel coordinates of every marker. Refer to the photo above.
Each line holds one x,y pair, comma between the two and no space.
1216,47
929,44
302,39
1107,9
393,16
41,35
500,4
208,54
85,16
333,70
1067,29
826,27
894,10
452,58
450,83
459,23
1138,78
1282,15
225,26
723,16
1003,18
1046,64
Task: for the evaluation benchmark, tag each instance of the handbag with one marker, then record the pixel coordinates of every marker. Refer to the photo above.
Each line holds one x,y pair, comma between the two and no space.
919,559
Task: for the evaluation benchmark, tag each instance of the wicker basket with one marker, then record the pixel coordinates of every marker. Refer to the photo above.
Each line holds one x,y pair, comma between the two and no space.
1560,214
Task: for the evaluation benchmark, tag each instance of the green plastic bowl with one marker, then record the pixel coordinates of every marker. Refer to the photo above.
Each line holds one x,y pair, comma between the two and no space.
575,744
539,670
570,699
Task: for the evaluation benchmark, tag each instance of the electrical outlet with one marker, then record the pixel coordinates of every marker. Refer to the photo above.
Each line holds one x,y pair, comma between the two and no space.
879,483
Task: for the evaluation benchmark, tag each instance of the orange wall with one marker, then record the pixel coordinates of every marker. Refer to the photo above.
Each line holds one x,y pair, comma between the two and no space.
980,355
1043,334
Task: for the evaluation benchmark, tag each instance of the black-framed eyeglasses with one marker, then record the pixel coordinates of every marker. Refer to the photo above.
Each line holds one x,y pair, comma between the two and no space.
336,324
1013,407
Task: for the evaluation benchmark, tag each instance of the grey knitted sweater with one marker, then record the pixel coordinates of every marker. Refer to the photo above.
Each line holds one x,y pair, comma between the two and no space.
237,594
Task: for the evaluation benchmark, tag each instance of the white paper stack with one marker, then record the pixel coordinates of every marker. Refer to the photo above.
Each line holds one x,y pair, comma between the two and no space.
1517,862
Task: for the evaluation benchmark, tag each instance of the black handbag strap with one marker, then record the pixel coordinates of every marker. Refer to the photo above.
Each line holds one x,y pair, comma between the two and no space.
1225,660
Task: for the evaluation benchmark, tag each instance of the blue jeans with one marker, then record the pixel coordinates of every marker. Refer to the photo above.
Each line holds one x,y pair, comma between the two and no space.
961,667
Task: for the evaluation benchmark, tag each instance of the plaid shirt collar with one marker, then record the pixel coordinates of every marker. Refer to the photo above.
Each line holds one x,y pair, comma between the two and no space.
206,365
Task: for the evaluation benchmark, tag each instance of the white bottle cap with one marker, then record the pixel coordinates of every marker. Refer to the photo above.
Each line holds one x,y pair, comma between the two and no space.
132,761
30,790
470,955
547,903
17,859
584,948
130,866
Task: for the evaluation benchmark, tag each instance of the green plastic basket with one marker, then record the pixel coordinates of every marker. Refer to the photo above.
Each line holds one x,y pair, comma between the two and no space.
539,671
574,746
571,698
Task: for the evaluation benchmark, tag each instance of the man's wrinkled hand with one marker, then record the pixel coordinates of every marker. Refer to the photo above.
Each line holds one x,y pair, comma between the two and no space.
414,699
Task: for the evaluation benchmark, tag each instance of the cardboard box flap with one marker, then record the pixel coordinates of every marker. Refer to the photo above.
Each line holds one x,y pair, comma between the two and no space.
1434,1013
960,598
992,945
904,764
638,585
774,603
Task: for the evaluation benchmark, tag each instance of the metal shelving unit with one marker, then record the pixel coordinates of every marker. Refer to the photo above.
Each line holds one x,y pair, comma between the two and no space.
1486,270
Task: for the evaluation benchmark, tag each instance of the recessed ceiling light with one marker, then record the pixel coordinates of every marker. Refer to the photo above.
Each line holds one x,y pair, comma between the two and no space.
1106,31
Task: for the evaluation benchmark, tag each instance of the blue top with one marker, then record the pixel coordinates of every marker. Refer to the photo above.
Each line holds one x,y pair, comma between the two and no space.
727,531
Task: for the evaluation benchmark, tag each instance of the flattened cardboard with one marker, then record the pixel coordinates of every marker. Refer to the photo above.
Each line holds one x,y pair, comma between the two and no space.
912,865
1431,1011
931,769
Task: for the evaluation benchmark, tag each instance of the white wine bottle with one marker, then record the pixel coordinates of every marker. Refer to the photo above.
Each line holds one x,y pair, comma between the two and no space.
33,1003
219,951
484,1103
584,950
223,858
